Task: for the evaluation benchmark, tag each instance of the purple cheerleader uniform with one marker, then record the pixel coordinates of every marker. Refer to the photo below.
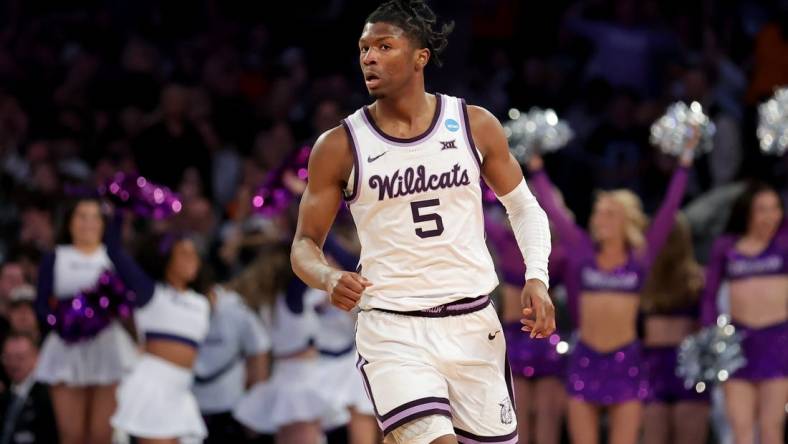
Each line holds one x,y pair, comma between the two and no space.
761,345
528,358
659,367
614,376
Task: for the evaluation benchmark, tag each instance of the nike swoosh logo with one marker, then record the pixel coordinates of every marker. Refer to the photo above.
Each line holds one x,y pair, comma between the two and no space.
492,336
371,159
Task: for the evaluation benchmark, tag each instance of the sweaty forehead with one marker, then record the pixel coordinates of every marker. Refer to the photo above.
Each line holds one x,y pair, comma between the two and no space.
380,30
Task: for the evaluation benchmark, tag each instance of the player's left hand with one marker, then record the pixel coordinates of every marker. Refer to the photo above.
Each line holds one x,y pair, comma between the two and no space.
538,311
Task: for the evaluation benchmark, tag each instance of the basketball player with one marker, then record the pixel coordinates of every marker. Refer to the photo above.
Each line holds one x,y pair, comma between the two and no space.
431,350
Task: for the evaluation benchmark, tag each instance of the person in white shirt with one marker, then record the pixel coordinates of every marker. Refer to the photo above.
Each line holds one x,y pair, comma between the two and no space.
233,357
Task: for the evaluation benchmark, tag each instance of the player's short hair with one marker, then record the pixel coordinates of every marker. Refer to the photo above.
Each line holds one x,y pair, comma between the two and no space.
419,21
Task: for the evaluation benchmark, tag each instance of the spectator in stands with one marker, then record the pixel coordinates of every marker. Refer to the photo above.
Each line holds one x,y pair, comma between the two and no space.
25,409
22,312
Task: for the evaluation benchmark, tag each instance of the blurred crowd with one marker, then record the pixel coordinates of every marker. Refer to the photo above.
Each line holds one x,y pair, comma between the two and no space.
207,97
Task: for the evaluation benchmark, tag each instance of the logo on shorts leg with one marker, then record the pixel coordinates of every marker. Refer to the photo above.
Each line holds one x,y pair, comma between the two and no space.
506,411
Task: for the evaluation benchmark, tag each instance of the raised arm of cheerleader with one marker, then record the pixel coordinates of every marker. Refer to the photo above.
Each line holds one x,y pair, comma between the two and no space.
132,274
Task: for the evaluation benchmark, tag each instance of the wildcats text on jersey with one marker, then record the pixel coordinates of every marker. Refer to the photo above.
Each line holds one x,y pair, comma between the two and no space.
413,181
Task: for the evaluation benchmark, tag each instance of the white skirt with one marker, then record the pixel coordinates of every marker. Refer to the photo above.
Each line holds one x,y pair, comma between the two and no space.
102,360
343,380
156,401
296,392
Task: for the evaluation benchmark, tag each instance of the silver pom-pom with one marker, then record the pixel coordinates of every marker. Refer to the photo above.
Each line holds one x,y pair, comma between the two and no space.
672,132
711,355
773,123
537,131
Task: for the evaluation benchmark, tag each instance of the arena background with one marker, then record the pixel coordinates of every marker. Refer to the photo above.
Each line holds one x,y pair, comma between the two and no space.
88,88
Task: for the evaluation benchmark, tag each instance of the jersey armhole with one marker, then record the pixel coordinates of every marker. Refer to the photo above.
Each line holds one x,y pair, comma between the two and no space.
351,191
466,131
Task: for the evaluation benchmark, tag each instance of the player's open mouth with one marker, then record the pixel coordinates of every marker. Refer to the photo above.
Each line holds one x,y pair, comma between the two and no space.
371,80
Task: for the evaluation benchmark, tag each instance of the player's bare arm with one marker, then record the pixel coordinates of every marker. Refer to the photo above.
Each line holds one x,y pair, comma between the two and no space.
503,174
330,165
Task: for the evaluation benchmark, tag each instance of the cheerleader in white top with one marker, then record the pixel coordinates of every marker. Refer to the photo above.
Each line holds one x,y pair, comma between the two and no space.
155,401
294,403
337,345
83,374
233,357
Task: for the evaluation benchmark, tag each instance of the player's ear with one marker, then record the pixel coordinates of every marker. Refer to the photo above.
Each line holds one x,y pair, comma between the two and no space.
422,58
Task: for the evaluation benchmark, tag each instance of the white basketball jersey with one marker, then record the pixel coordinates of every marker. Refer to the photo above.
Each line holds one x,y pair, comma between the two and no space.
418,210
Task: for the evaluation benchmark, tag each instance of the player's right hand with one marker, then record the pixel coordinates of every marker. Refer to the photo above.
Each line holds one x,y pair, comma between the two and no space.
345,289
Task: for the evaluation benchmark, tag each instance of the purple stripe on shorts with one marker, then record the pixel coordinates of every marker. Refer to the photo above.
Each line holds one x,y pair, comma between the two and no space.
507,374
360,366
397,141
464,437
414,403
417,411
407,412
415,416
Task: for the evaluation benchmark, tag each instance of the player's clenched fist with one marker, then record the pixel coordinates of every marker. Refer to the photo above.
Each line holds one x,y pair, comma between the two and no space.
538,311
345,289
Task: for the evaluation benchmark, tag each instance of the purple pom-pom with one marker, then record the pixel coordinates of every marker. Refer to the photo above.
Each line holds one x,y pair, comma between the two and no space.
146,199
91,311
273,197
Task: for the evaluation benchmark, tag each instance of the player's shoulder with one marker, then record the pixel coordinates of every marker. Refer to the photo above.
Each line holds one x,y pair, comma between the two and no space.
333,144
332,140
486,130
479,116
332,153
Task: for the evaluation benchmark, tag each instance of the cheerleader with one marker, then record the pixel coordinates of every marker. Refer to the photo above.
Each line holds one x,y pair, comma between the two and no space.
233,357
752,258
605,271
155,402
293,403
670,303
337,346
82,375
537,366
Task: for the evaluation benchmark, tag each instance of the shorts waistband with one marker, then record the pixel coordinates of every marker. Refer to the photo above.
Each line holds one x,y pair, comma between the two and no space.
456,308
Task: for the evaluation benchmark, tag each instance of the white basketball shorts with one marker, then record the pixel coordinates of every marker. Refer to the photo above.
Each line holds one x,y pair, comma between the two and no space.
449,360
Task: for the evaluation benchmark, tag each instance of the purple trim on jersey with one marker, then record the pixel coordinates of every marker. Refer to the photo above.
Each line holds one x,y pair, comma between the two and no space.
351,137
466,130
170,337
397,141
464,437
456,308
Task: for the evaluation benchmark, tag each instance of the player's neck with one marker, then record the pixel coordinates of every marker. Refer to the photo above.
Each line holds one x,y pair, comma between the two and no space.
407,106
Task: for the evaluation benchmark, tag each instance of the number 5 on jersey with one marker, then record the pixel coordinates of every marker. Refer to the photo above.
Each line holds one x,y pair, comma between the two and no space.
419,216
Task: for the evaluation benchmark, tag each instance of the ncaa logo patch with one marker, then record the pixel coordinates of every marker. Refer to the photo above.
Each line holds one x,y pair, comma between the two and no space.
452,125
